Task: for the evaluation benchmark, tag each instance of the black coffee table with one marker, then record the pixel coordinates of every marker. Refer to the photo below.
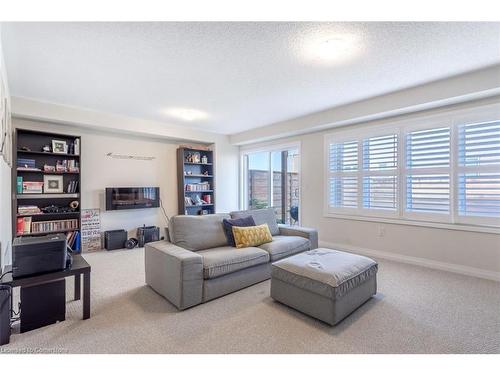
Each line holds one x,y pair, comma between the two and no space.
78,268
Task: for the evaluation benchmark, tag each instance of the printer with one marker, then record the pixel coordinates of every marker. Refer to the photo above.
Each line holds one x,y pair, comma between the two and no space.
36,255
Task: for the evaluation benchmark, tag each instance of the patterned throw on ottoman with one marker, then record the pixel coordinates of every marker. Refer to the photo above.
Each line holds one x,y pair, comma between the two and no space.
325,284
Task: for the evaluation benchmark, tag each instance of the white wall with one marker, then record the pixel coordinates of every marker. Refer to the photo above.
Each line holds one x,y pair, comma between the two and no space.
480,84
5,188
462,251
100,171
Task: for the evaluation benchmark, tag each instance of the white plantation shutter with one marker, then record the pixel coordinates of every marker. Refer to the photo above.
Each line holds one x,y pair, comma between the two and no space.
379,192
343,181
380,157
428,185
443,168
428,193
344,156
479,194
479,170
479,144
344,191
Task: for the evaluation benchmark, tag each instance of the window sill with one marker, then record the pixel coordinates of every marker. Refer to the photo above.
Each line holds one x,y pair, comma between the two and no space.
429,224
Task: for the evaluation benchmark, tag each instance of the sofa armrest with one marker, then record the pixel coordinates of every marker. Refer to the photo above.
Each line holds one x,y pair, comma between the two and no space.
174,272
310,233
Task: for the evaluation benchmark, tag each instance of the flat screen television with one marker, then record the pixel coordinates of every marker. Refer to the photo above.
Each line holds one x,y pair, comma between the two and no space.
127,198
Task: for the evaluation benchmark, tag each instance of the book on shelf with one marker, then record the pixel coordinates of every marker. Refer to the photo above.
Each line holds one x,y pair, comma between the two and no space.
32,187
19,184
73,239
72,187
29,210
76,144
20,226
26,225
76,245
26,163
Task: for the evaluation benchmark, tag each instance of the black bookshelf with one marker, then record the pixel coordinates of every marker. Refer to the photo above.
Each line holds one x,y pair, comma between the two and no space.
28,144
199,173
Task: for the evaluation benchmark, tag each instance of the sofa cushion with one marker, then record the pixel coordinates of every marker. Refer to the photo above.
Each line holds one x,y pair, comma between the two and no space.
251,236
197,232
224,260
283,246
230,223
262,216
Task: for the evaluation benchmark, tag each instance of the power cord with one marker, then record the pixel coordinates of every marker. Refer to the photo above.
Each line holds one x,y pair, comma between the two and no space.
164,212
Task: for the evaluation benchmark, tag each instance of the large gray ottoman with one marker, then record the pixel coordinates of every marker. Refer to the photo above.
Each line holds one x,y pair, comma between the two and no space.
323,283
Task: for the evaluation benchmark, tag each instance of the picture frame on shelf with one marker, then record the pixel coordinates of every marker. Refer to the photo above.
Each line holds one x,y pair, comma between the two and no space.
53,184
59,147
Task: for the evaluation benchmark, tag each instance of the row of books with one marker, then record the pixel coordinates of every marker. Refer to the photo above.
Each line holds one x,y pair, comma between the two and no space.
73,240
55,225
198,187
29,187
26,226
27,164
72,187
74,147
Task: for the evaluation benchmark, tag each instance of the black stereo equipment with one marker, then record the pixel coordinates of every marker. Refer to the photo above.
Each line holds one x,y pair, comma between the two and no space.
115,239
5,308
147,234
126,198
34,255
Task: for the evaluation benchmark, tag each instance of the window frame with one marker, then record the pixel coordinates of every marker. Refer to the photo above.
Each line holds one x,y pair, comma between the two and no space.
452,220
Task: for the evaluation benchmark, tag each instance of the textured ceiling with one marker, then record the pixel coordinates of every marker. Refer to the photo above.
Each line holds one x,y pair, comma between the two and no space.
243,75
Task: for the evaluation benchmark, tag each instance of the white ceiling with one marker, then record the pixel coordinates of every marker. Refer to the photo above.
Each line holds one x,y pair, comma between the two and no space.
243,75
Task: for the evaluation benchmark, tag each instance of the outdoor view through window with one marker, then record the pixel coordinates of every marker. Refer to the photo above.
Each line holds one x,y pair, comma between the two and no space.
272,180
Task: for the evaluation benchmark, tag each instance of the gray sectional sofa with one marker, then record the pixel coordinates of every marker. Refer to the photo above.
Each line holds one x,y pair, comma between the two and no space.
196,265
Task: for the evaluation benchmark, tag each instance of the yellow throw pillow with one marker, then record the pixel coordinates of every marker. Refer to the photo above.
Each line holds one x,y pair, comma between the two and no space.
251,236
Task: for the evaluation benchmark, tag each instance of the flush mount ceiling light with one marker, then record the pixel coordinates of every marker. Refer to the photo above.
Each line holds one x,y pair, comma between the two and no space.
331,48
186,114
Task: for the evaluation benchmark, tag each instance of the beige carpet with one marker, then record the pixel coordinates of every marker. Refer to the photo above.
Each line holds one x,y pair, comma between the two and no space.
417,310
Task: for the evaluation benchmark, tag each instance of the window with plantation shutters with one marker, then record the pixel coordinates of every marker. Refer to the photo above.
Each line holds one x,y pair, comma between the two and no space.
428,171
442,169
343,180
479,170
380,161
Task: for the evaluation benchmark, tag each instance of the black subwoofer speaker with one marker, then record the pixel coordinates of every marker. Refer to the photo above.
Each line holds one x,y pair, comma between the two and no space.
5,308
43,304
115,239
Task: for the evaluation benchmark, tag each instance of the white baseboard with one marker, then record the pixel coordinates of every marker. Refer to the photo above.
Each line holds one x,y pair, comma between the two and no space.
443,266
